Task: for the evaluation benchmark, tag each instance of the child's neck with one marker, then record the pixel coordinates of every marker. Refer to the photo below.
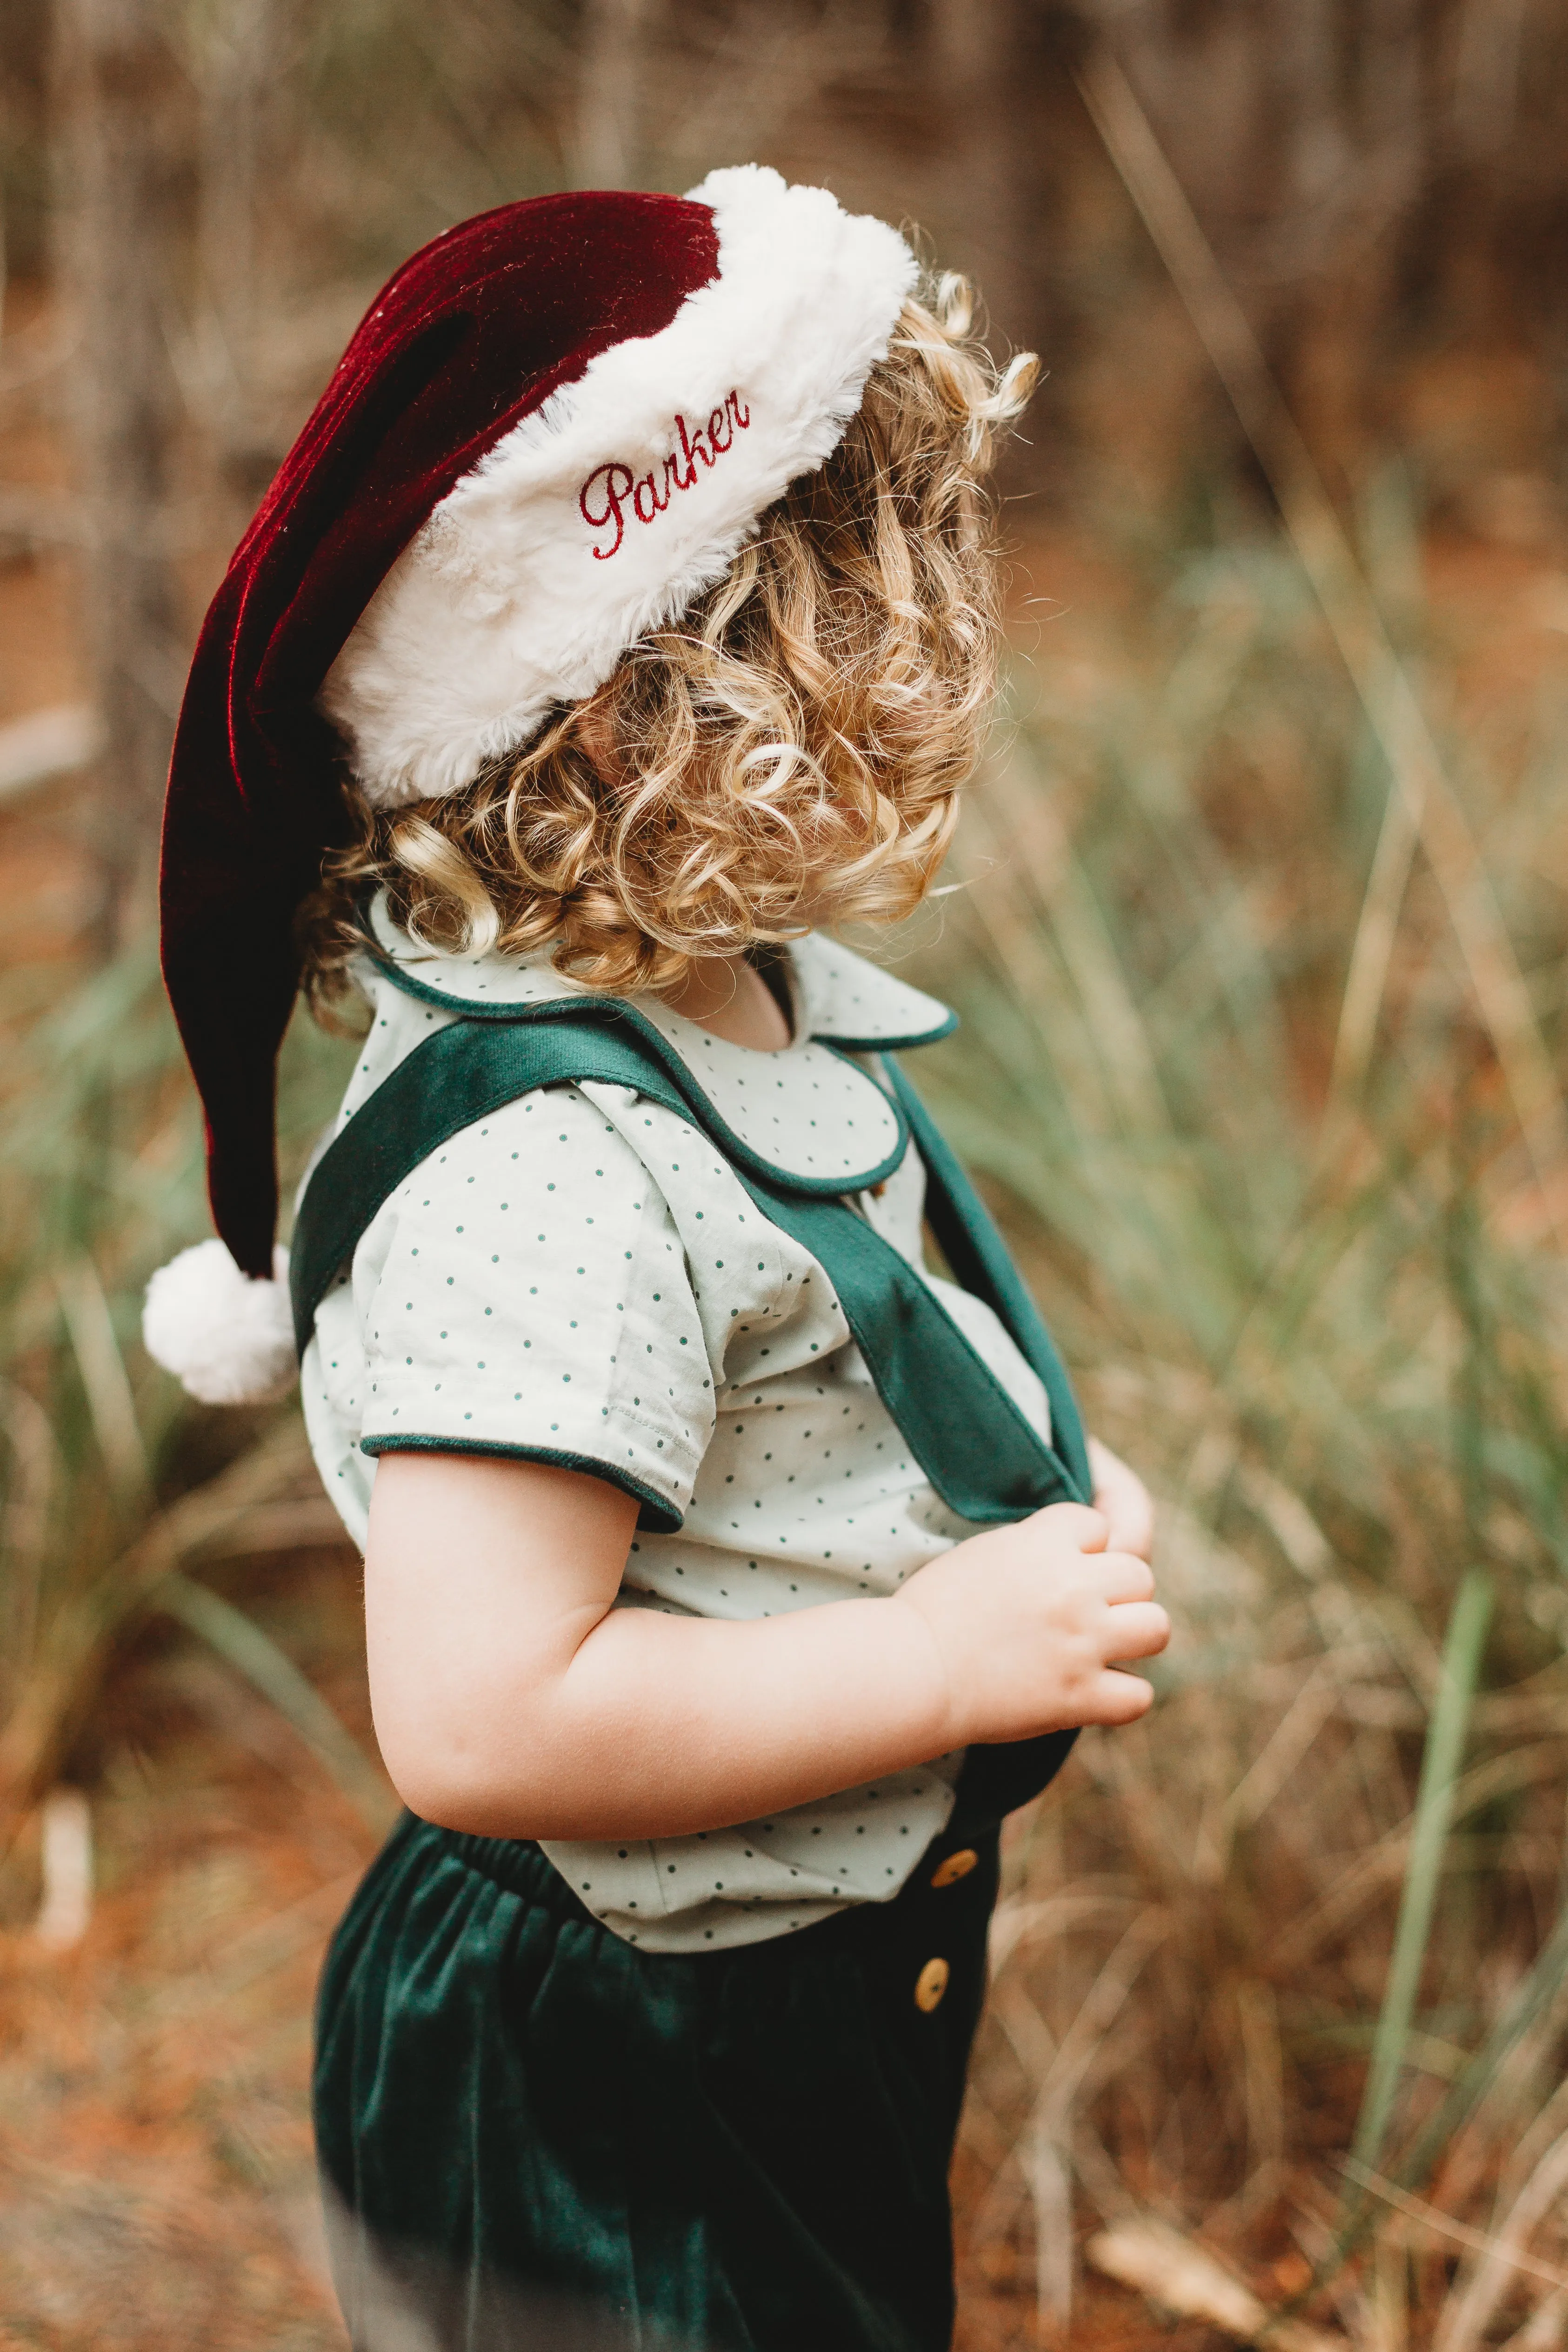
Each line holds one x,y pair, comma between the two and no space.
730,997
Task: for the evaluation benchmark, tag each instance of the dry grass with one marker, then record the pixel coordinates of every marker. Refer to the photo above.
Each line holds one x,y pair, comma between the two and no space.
112,1485
1334,1343
1335,1352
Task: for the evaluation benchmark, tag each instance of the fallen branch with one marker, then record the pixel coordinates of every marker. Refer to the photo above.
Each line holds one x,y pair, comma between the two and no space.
1180,2277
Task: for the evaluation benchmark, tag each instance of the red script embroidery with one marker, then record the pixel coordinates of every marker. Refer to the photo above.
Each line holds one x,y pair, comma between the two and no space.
611,489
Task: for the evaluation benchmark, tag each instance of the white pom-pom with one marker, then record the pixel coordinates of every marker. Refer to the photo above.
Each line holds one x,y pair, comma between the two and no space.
228,1339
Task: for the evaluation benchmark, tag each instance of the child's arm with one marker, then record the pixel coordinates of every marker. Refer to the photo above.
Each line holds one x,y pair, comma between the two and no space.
511,1699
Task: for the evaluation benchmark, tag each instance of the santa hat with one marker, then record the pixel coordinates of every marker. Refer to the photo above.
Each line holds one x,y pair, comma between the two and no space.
554,428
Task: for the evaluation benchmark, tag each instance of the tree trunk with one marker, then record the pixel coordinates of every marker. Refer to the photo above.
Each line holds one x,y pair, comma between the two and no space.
114,77
608,126
976,176
236,74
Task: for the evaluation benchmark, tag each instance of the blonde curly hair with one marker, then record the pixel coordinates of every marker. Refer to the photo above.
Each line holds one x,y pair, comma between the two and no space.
788,754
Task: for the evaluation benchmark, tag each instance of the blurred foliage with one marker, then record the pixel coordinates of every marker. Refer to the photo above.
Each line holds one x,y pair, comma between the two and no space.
1332,1336
1336,1346
112,1478
1389,186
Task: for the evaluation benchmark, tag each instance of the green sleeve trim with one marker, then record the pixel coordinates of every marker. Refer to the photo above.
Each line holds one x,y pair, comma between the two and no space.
659,1517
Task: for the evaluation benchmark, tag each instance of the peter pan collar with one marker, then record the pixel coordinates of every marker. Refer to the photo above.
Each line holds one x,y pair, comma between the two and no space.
807,1112
849,1002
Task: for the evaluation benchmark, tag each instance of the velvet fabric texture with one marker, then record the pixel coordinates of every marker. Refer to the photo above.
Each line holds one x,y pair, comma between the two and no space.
532,2133
471,335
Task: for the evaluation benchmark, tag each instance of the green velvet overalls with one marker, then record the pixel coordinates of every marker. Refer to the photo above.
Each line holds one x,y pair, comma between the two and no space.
532,2133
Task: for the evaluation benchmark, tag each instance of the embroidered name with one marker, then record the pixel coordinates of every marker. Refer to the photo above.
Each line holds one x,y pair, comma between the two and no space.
613,490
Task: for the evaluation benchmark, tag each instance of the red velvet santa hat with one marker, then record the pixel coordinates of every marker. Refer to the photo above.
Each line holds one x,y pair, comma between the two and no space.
554,428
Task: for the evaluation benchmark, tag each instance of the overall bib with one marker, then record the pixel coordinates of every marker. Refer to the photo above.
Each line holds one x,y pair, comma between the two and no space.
532,2133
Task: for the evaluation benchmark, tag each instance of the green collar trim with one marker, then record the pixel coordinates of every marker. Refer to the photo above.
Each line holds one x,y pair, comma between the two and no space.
614,1014
840,998
885,1044
480,1008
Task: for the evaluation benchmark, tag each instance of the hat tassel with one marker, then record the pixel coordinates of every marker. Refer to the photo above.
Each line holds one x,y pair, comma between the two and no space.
227,1339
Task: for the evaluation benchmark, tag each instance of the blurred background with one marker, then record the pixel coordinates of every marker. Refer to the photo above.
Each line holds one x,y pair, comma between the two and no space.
1257,925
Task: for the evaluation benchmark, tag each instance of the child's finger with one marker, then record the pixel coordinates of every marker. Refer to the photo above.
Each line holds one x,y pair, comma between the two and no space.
1138,1629
1121,1495
1125,1576
1090,1530
1116,1698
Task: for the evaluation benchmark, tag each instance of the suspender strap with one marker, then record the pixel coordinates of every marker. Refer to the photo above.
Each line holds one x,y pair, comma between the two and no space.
976,1448
979,1453
981,1261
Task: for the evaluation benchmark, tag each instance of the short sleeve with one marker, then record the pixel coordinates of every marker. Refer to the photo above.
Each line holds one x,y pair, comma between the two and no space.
525,1293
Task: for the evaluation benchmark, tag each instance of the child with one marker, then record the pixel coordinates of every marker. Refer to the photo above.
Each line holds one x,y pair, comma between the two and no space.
726,1575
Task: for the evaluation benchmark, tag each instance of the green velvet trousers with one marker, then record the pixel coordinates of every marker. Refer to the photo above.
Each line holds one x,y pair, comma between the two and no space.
535,2135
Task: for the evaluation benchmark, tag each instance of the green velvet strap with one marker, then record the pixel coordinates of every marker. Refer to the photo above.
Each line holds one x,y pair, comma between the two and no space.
980,1260
975,1446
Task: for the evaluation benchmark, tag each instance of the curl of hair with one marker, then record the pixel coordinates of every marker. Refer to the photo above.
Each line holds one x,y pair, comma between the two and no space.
788,754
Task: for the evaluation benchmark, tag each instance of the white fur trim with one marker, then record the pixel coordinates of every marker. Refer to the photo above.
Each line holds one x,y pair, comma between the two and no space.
230,1341
499,606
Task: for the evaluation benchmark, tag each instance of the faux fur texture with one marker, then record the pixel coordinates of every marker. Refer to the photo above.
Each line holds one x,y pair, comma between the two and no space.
506,601
228,1339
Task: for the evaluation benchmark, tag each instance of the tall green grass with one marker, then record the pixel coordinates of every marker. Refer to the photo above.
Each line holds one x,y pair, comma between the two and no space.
1333,1342
114,1484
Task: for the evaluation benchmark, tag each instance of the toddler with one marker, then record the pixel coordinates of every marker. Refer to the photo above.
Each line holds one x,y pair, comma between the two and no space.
623,622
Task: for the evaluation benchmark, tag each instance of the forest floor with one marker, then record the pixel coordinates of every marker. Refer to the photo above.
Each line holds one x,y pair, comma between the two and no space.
156,2181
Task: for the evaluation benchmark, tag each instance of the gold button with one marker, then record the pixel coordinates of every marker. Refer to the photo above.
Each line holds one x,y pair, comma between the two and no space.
957,1866
931,1984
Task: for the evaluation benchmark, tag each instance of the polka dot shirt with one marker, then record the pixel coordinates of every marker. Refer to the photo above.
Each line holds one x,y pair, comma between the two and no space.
581,1277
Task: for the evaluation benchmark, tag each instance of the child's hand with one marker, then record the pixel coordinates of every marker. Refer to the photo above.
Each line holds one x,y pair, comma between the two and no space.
1031,1622
1123,1501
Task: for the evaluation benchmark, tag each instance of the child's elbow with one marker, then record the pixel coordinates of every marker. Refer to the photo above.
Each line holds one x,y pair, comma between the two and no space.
449,1777
449,1800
